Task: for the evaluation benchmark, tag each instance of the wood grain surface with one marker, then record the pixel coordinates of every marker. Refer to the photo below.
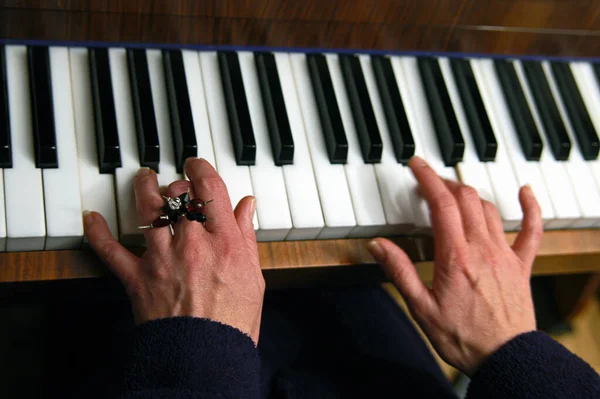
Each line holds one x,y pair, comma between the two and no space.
522,14
525,27
561,252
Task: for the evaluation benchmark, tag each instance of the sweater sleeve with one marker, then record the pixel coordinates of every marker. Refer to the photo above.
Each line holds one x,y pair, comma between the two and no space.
191,357
533,365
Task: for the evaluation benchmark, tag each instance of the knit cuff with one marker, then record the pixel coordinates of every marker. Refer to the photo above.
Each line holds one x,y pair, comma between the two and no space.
534,365
193,354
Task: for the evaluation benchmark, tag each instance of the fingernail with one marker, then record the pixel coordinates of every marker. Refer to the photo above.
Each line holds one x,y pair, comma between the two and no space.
417,161
253,206
528,187
199,159
376,250
191,159
87,220
143,172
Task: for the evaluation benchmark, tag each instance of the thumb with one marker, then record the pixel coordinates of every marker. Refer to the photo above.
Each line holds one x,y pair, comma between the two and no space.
400,270
244,213
529,238
122,263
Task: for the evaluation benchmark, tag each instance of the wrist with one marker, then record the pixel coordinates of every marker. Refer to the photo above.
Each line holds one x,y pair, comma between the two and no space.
487,349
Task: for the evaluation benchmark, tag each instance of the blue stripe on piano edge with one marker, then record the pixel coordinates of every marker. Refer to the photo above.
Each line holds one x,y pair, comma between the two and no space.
291,50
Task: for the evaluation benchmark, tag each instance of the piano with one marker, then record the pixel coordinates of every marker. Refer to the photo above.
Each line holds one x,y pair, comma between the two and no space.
313,107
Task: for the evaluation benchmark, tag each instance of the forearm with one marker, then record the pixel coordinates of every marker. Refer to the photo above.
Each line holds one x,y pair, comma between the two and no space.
190,356
533,365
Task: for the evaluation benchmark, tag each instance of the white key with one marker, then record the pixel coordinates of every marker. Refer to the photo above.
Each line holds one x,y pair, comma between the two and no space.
267,178
97,189
62,201
502,177
391,175
471,170
303,197
167,170
130,161
237,178
420,208
2,210
331,179
526,172
588,86
426,129
2,214
24,194
193,76
557,181
361,178
582,180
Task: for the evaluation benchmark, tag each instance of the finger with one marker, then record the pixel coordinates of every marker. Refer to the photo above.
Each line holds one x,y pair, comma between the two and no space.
178,187
402,273
493,222
471,210
529,238
208,185
183,228
445,214
244,214
121,262
148,202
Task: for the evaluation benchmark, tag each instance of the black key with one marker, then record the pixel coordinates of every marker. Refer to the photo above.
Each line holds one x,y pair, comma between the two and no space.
182,122
548,110
107,137
5,150
42,108
242,134
145,119
596,68
362,110
529,137
576,110
450,140
479,123
395,114
280,132
329,113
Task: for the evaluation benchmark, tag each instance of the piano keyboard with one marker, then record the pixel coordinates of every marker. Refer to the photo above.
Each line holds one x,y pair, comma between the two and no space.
321,140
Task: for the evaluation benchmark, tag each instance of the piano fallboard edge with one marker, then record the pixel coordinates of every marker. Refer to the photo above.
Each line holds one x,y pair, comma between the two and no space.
561,252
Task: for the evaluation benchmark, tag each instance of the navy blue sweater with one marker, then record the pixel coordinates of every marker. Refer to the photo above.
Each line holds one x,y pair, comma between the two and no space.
190,357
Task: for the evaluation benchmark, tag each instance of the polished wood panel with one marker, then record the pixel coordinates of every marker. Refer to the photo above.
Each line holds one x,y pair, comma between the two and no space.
561,252
579,15
521,14
381,11
424,26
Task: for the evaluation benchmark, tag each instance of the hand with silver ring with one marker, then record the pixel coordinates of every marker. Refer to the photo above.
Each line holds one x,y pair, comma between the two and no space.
209,270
